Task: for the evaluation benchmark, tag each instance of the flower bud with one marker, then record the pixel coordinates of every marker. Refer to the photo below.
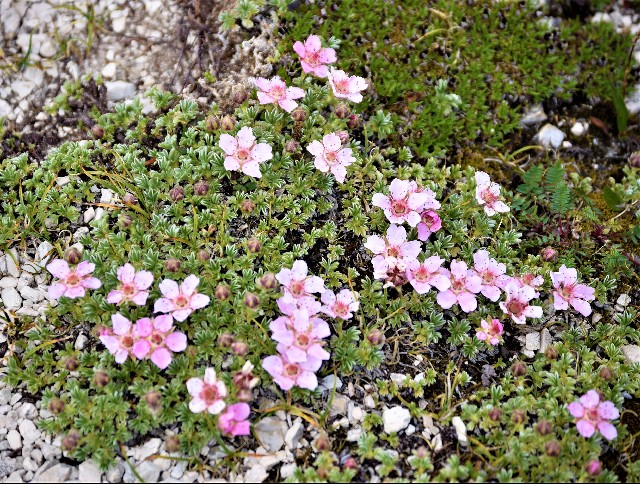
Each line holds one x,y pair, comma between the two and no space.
343,135
212,123
244,395
172,265
342,111
71,364
299,115
201,188
227,123
519,368
549,254
125,221
253,245
225,340
247,206
551,353
129,199
72,255
594,467
240,97
605,373
100,379
97,131
239,348
153,400
518,417
350,463
191,351
268,281
56,406
176,193
251,300
634,159
222,292
70,441
552,448
422,452
291,146
495,414
203,255
322,443
353,122
376,337
544,427
172,444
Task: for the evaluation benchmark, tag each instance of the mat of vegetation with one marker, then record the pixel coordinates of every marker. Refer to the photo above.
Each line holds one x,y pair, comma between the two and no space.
385,186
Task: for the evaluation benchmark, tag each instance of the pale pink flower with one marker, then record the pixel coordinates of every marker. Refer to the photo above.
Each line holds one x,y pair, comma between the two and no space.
72,283
243,153
300,336
133,286
429,223
309,304
526,280
331,157
287,374
465,284
345,86
298,286
392,251
119,340
313,57
180,301
233,421
341,305
275,91
491,330
404,202
157,340
207,394
492,274
423,276
488,195
592,414
568,292
517,305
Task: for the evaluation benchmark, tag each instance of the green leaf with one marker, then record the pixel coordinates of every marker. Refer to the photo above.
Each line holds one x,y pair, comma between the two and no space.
613,199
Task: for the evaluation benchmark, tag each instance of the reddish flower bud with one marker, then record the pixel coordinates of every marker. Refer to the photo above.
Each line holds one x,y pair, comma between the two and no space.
350,463
70,441
552,448
125,221
73,255
544,427
353,122
225,340
519,368
97,131
247,206
253,245
203,255
222,292
153,400
239,348
322,443
606,373
251,300
212,123
172,444
299,115
376,337
551,353
343,135
201,188
342,111
634,159
100,379
244,395
594,467
129,199
172,265
422,452
291,146
227,123
176,193
518,417
549,254
495,414
268,281
56,406
240,97
71,364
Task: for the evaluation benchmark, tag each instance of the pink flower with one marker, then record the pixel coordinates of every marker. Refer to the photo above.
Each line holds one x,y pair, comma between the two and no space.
157,340
133,286
567,291
517,305
592,414
491,330
331,157
233,421
288,374
208,393
341,305
423,276
492,274
465,284
72,282
309,304
298,286
300,336
243,153
180,301
274,90
119,341
429,223
488,194
392,251
313,57
404,202
345,86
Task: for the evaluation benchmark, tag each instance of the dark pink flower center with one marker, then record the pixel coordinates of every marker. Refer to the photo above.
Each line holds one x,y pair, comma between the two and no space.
488,197
457,285
428,218
421,274
331,156
209,394
527,279
181,301
312,58
302,340
242,154
566,292
342,86
340,308
516,307
127,341
73,279
393,252
277,93
297,288
488,277
592,414
291,370
156,339
399,207
128,289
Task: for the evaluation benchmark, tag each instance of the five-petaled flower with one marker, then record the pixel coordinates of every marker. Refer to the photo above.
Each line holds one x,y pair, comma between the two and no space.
591,414
119,340
288,374
233,421
345,86
492,274
568,292
180,301
488,195
430,223
339,305
300,336
330,157
464,285
298,286
207,393
275,91
133,286
517,305
72,283
423,276
491,331
405,202
157,340
313,57
243,153
392,252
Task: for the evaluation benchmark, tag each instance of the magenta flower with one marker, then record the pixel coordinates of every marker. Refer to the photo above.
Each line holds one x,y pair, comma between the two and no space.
331,157
233,421
72,282
488,195
288,374
119,341
207,394
243,153
341,305
157,340
404,202
423,276
313,57
568,292
517,305
298,286
180,301
392,251
300,336
133,286
345,86
592,414
465,284
491,330
492,274
275,91
429,223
